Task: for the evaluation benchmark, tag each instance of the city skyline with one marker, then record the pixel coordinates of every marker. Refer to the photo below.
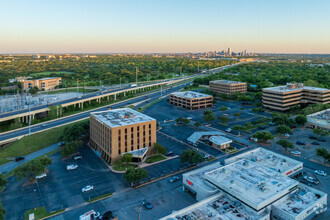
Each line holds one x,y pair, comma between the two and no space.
164,27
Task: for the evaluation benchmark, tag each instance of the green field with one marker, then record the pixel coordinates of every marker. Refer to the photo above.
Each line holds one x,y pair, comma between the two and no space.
81,90
40,213
155,158
30,144
48,73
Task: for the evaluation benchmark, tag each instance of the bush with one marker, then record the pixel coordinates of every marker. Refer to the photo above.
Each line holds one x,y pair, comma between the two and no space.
191,156
224,119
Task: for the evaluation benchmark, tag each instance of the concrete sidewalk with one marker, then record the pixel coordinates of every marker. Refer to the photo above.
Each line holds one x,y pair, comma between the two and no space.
5,168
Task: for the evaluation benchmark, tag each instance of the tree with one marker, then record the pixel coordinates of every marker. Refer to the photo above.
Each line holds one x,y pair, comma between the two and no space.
323,152
282,129
263,136
320,132
133,175
33,90
186,121
224,119
32,168
223,108
74,132
71,147
159,149
285,144
127,158
179,120
191,156
208,115
237,114
3,181
301,120
2,211
197,124
248,125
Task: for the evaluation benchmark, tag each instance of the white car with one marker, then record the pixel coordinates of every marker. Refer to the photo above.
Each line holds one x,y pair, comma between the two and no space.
41,176
71,167
87,188
286,135
295,152
228,130
77,158
320,172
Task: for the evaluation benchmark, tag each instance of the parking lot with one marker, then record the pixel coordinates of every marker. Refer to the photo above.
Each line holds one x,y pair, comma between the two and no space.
61,188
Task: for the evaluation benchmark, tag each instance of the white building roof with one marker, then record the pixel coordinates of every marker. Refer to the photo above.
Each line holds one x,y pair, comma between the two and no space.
299,200
251,183
296,87
226,81
220,140
121,117
198,134
269,159
219,206
190,95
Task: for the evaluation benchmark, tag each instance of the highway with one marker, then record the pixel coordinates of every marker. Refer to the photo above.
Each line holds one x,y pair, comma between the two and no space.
62,121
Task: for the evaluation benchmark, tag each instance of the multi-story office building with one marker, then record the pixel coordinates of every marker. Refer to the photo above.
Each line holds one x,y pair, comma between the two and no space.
44,83
116,132
191,100
281,98
227,87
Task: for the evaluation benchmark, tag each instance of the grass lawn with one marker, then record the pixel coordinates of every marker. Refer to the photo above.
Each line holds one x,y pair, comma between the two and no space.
193,88
100,197
30,144
48,73
40,213
231,150
123,167
155,158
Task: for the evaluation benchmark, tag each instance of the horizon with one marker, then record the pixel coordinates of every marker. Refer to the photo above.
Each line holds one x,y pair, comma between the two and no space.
145,27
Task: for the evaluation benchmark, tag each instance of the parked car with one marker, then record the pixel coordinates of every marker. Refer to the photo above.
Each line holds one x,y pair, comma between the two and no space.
322,139
108,215
311,180
315,143
96,215
147,205
71,167
19,158
169,153
174,179
41,176
77,157
312,137
206,156
228,130
320,172
286,135
300,143
295,152
87,188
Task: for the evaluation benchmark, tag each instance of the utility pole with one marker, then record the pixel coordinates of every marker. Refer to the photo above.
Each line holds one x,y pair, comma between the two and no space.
136,69
29,121
120,82
77,86
197,66
138,210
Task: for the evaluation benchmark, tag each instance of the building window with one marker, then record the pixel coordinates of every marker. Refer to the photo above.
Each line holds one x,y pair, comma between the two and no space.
43,85
138,128
149,126
125,130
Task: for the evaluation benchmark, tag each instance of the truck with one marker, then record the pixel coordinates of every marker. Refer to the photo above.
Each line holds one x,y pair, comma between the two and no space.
90,215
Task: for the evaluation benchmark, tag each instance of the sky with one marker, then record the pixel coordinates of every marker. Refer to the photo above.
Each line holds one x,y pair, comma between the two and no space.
164,26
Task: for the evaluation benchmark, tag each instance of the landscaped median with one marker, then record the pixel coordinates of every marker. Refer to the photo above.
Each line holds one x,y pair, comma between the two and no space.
155,158
40,213
100,197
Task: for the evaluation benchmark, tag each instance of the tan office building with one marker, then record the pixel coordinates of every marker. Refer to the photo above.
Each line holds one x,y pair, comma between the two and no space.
191,100
44,83
116,132
281,98
227,87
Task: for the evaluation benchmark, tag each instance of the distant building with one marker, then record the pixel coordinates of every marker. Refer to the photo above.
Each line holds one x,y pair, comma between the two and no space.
320,119
281,98
191,100
116,132
229,51
44,83
36,56
227,87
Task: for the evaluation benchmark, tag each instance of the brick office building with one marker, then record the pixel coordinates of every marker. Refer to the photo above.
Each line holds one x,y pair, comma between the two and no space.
227,87
191,100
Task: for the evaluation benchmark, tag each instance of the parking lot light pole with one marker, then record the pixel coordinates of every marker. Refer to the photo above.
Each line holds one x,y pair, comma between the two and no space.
138,210
35,206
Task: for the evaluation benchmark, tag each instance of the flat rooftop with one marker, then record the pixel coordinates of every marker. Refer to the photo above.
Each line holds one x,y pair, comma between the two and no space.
190,95
268,159
250,182
220,140
197,176
121,117
219,206
299,200
198,134
293,87
226,81
322,115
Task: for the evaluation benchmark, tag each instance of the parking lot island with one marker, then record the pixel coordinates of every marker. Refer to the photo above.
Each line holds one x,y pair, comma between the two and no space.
116,132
